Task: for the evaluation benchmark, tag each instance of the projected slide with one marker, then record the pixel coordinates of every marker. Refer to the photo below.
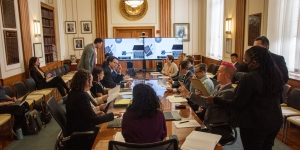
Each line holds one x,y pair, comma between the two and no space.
125,48
159,48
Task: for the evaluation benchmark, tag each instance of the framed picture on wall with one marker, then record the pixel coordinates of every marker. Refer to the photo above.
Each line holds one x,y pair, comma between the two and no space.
70,27
182,30
78,43
228,45
38,52
86,27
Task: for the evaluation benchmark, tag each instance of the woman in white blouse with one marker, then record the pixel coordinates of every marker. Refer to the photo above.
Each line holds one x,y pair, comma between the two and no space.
170,68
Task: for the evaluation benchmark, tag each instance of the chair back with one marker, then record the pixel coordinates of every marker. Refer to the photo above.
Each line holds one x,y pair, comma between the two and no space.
63,70
20,88
216,69
170,144
286,88
238,76
58,114
30,84
215,82
53,72
57,72
211,67
67,68
8,91
293,99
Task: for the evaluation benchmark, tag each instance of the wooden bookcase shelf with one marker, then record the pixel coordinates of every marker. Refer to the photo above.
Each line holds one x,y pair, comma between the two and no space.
198,59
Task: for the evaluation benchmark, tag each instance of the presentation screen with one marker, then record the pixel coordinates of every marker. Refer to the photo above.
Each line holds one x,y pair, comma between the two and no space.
159,48
125,48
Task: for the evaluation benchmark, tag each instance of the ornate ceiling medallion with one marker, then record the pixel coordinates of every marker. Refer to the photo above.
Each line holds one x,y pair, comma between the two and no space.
131,13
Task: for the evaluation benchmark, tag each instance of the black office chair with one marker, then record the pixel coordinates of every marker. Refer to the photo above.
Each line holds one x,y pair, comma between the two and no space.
31,85
20,88
63,70
286,88
8,91
170,144
211,67
57,72
215,81
238,76
216,69
233,135
60,116
67,68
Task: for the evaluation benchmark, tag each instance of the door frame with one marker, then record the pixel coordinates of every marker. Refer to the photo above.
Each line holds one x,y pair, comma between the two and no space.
152,28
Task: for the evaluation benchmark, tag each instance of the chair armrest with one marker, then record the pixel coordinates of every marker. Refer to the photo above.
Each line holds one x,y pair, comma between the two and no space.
219,124
290,115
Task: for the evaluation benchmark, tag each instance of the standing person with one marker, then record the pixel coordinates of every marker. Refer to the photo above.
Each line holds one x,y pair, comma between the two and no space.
234,61
170,68
40,79
88,57
80,115
256,101
144,121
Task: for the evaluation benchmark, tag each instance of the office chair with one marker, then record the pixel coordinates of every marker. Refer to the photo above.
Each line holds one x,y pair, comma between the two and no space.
63,70
233,136
31,85
170,144
211,67
238,76
60,116
67,68
8,91
286,88
57,72
216,69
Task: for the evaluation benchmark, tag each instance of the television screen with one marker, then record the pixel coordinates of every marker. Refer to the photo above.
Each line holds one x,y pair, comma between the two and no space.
125,48
159,48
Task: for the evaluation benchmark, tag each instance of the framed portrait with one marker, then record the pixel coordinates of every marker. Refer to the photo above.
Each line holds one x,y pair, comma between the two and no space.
38,51
254,27
70,27
78,43
86,27
182,30
228,45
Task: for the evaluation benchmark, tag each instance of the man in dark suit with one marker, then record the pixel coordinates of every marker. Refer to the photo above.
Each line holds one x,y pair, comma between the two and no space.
216,114
279,60
234,61
112,74
185,76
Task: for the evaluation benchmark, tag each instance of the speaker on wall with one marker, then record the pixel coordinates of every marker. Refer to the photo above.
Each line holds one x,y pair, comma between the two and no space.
158,66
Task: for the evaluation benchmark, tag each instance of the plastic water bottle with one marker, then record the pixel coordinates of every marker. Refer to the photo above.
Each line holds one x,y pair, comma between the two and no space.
19,134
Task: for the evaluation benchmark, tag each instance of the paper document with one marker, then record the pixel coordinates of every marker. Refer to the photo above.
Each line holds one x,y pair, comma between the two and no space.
48,80
112,97
174,99
200,141
123,102
186,124
114,90
199,86
119,137
126,93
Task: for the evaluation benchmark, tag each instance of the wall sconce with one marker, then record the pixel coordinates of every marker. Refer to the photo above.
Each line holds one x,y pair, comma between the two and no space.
37,28
228,25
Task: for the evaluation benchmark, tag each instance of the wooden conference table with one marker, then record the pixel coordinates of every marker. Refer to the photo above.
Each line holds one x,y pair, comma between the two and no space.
106,134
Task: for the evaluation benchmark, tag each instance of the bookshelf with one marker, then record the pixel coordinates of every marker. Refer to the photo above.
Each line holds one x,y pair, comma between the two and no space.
48,32
198,59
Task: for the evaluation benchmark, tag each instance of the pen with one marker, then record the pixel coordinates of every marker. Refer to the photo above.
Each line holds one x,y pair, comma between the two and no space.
183,122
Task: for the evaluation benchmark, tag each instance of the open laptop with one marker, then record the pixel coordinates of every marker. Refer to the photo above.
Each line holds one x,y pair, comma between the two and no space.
172,115
20,102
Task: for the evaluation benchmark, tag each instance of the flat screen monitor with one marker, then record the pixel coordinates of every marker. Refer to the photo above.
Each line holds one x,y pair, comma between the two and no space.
125,48
159,48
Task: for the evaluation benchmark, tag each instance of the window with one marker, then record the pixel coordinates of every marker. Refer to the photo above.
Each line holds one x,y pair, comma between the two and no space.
284,35
214,26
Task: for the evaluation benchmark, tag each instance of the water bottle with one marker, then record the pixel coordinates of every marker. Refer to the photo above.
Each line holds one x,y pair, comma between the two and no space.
19,134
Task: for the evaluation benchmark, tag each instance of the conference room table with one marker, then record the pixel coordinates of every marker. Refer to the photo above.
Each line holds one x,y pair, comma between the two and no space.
106,134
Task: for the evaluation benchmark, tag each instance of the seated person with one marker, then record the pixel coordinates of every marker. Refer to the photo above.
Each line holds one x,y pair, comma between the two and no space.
98,89
235,62
170,68
181,57
191,59
40,79
185,77
17,111
79,113
200,74
104,64
144,121
112,74
215,113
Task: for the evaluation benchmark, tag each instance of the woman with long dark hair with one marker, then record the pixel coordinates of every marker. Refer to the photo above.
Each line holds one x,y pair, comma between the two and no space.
144,121
257,111
38,75
98,89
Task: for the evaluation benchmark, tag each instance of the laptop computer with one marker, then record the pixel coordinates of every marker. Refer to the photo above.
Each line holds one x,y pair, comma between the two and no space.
172,115
20,102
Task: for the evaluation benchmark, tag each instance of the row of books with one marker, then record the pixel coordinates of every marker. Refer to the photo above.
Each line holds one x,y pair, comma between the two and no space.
48,40
48,31
49,58
47,22
48,49
47,13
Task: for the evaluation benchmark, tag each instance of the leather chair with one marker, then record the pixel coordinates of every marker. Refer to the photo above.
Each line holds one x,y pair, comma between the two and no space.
22,90
216,69
286,88
32,88
211,67
171,144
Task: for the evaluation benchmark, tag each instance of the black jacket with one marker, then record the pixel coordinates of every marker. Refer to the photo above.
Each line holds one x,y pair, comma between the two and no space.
40,81
110,79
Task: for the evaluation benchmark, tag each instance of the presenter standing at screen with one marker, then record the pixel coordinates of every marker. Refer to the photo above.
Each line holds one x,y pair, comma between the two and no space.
170,68
88,57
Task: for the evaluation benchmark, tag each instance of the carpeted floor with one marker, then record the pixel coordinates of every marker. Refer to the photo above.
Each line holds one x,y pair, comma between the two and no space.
46,138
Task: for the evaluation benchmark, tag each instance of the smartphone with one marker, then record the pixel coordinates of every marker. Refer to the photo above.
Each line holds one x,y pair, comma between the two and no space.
180,106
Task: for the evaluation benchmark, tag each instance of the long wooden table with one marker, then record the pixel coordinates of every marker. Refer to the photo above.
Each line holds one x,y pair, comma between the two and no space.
106,134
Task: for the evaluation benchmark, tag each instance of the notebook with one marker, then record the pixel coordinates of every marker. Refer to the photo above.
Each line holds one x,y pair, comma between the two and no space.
200,140
116,123
199,85
119,137
174,99
49,79
172,115
186,124
20,102
123,102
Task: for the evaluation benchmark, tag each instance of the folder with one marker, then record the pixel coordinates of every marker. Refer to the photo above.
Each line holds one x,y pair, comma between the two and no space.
122,102
199,86
200,141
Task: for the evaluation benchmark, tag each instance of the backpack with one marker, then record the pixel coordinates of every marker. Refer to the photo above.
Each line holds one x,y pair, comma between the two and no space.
44,111
32,124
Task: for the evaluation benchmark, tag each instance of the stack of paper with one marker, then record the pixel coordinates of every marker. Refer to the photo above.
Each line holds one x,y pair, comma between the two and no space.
174,99
122,102
119,137
186,124
126,93
200,141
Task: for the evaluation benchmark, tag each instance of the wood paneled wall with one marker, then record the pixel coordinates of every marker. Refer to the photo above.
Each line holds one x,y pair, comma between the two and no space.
165,18
240,29
208,61
101,25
